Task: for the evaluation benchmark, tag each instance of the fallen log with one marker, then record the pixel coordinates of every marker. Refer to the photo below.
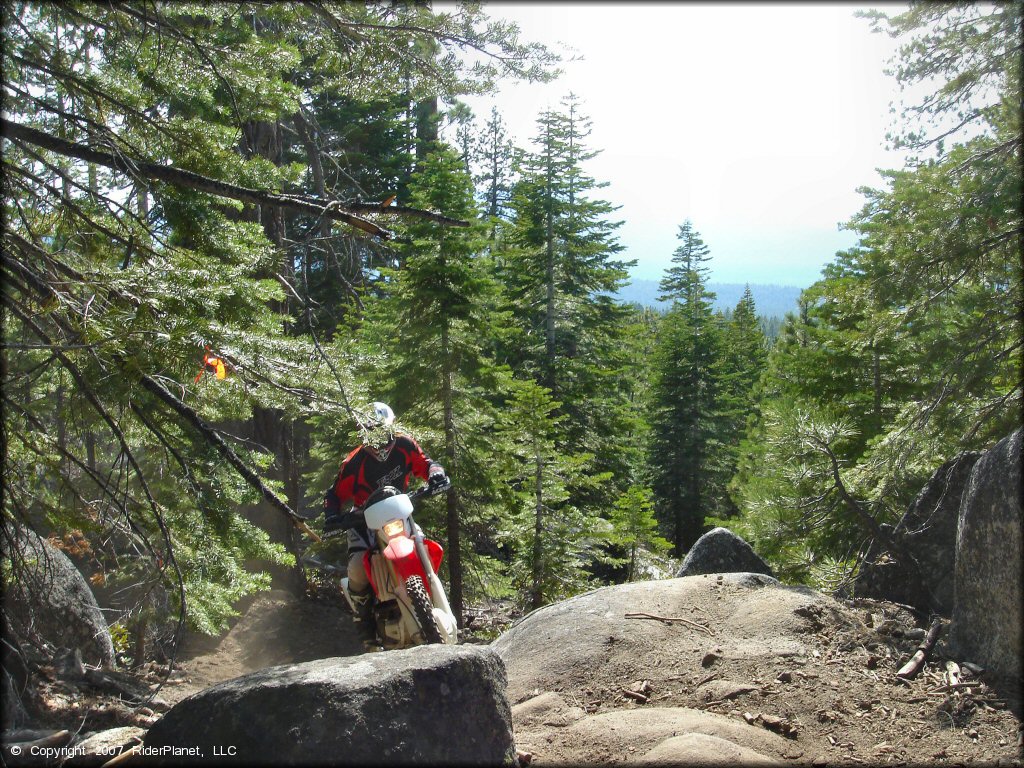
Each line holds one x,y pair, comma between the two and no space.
909,670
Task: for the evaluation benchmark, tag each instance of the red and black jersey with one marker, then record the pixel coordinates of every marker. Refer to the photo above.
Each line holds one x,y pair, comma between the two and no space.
361,474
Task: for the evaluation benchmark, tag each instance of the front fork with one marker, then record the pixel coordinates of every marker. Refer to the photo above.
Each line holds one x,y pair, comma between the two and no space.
437,592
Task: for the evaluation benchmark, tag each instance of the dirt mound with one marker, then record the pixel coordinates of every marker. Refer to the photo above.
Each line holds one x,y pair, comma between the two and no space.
657,671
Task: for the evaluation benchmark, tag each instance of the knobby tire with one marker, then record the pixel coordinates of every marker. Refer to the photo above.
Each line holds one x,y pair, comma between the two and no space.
422,609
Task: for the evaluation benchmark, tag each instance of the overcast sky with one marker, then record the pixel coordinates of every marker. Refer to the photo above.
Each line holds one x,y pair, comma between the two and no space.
756,121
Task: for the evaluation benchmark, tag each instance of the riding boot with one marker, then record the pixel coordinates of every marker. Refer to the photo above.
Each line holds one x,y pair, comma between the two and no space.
363,602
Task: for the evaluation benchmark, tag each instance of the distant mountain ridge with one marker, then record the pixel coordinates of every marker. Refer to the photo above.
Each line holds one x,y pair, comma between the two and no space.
770,300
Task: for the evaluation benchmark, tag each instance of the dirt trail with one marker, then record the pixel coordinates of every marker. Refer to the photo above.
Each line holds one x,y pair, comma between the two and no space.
278,628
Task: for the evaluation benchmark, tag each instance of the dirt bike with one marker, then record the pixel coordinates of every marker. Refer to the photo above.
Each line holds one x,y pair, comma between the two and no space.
411,606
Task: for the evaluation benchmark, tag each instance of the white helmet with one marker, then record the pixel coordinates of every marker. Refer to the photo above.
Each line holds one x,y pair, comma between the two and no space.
377,425
380,414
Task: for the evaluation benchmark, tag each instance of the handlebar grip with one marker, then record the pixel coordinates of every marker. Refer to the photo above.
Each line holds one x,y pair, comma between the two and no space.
430,490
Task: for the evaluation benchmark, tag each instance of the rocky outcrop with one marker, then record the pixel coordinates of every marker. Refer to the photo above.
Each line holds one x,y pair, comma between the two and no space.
431,705
702,749
49,598
986,626
926,533
722,551
672,736
558,646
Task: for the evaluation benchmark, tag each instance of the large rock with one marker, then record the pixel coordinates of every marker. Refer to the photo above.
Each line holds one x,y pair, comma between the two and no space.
669,736
747,619
701,749
433,705
49,598
722,551
927,533
986,626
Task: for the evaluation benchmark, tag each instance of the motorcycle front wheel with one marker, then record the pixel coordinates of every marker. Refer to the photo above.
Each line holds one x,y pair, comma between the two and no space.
422,609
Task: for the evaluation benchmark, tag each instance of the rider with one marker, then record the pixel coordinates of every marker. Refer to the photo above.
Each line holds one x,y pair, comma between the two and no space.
385,457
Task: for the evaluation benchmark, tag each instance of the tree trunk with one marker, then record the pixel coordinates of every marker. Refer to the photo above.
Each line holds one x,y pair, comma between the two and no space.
537,567
549,315
426,116
452,511
268,426
876,370
492,193
316,167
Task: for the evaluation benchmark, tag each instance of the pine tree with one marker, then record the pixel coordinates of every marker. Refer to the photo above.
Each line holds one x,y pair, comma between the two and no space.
682,280
435,324
563,261
553,541
745,353
635,529
746,347
496,156
688,458
560,271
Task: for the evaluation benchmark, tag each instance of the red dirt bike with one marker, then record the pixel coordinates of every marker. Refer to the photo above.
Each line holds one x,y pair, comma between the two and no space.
411,606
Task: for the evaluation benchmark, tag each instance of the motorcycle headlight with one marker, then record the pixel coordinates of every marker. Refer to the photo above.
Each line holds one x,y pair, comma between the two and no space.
394,528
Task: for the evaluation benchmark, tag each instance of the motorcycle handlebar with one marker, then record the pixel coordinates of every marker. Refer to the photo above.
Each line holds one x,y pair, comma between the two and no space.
430,490
424,490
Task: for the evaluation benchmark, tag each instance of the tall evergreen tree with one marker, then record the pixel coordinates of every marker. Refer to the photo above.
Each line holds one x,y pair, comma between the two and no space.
560,271
687,461
681,281
496,157
565,246
745,352
553,540
434,325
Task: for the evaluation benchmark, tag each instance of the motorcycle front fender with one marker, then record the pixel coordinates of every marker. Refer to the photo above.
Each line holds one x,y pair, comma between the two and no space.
402,553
